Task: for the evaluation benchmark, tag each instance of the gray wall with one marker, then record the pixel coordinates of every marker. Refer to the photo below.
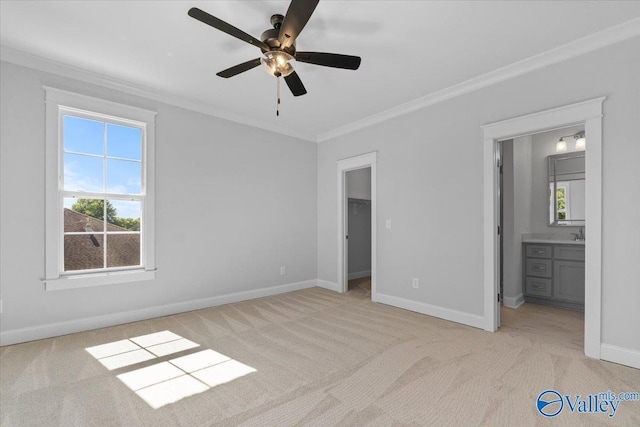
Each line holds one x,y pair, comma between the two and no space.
430,184
231,209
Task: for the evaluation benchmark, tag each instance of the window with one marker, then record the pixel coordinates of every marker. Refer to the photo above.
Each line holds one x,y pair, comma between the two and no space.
561,203
99,200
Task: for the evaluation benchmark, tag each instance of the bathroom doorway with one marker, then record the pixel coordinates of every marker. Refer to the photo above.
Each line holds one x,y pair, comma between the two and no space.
587,112
542,238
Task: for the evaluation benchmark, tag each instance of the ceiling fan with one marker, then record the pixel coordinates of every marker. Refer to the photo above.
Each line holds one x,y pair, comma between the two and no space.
278,45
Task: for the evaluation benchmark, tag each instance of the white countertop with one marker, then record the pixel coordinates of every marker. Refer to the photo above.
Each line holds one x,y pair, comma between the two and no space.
556,241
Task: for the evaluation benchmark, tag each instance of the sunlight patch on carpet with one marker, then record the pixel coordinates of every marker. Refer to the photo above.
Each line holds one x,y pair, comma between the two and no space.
128,352
168,381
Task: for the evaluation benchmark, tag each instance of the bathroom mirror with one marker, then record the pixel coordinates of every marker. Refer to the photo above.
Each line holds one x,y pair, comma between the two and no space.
567,189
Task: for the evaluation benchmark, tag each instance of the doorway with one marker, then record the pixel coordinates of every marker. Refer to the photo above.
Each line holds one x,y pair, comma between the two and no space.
363,199
358,232
589,113
542,229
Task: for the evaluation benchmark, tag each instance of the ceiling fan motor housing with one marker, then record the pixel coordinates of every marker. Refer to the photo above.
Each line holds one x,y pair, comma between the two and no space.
270,37
277,20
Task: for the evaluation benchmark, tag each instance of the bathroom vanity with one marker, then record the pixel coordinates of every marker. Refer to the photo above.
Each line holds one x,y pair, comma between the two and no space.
553,272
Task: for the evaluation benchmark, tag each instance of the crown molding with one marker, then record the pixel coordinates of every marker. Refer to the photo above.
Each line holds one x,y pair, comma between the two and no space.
29,60
613,35
616,34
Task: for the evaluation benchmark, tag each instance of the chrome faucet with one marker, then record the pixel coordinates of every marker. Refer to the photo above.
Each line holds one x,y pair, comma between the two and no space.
579,235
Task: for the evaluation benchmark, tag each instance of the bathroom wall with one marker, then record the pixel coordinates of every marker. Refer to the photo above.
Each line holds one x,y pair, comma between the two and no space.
517,209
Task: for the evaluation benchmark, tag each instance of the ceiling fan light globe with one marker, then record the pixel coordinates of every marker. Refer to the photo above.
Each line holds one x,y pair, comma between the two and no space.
277,63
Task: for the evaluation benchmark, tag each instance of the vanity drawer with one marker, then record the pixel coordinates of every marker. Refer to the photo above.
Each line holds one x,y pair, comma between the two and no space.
538,251
538,287
539,267
571,253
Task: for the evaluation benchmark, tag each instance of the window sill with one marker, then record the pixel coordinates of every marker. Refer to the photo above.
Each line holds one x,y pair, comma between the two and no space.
98,279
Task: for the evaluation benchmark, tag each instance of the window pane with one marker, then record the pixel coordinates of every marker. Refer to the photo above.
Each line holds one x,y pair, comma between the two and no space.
83,252
123,250
126,216
83,173
123,177
83,136
84,215
124,141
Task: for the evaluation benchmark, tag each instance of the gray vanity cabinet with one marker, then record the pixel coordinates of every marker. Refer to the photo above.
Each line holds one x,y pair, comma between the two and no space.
554,274
568,281
568,273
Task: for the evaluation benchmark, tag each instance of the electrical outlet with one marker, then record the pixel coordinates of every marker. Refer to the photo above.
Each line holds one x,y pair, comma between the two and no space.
415,283
283,270
389,224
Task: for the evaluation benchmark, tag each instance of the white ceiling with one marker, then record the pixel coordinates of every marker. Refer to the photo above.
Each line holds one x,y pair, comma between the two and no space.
409,49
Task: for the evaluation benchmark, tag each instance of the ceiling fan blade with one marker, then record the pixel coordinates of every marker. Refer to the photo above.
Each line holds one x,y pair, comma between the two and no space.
334,60
295,84
296,18
240,68
219,24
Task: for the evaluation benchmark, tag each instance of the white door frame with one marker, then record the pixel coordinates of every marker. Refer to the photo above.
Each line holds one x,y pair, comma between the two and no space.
344,166
587,112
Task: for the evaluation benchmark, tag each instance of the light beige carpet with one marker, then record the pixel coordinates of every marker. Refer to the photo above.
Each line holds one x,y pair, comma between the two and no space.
310,357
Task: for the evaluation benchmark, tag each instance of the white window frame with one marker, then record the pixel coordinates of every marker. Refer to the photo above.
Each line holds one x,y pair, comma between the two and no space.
58,103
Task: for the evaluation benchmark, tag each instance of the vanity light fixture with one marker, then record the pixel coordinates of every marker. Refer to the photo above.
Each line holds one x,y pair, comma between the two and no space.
561,145
581,141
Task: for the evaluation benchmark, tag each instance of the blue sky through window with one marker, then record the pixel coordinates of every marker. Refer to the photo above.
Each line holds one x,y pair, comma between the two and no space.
124,142
83,135
86,171
83,173
123,176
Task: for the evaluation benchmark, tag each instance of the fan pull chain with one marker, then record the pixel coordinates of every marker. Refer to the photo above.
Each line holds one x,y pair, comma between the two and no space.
278,96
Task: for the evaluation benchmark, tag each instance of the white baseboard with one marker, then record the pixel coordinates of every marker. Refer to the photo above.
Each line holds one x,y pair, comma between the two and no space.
433,310
359,274
15,336
329,285
620,355
513,302
611,353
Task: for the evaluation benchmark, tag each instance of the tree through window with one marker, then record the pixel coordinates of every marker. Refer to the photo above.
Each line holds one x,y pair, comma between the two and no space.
561,203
